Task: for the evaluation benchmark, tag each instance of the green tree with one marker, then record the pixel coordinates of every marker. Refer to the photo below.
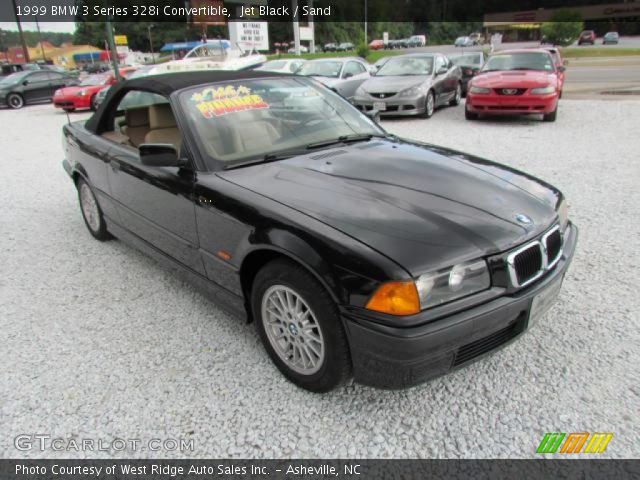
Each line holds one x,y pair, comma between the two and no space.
564,27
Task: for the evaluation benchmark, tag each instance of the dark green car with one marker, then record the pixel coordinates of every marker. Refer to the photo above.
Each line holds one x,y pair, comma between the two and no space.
32,86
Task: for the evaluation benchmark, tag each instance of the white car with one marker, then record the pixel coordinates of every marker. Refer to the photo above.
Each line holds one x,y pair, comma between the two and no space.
284,65
341,74
303,49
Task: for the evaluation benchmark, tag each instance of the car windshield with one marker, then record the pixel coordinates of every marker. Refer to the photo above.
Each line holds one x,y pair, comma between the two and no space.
93,80
320,69
519,61
248,121
467,60
406,66
13,78
611,35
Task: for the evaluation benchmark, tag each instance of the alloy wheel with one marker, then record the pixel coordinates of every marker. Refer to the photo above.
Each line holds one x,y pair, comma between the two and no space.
292,329
89,207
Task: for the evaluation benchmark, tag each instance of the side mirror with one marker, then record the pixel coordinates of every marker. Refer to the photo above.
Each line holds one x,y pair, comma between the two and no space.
160,155
442,71
561,68
347,75
373,115
26,82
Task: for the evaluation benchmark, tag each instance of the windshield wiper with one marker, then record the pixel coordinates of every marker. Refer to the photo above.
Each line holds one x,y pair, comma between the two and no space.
358,137
269,157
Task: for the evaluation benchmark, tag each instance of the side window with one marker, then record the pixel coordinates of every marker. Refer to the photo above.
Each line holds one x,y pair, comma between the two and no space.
143,117
439,63
353,68
38,77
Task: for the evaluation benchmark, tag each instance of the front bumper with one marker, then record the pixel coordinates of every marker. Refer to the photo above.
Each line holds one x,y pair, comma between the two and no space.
493,104
393,357
70,101
395,106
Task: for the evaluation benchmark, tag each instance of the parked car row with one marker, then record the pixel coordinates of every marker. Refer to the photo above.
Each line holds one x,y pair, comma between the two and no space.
509,82
339,47
589,37
65,90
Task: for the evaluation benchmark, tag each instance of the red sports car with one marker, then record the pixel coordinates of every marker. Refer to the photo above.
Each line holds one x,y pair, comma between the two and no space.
376,45
84,95
516,82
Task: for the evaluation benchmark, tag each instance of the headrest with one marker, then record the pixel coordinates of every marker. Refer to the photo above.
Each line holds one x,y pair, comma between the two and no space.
137,117
161,116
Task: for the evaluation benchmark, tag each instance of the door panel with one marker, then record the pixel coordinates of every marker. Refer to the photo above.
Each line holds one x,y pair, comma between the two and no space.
38,87
156,203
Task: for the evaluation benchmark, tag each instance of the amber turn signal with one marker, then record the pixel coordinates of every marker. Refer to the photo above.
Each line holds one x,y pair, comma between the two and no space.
395,298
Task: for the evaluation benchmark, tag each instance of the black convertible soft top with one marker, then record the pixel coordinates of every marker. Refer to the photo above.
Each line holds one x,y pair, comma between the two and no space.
167,83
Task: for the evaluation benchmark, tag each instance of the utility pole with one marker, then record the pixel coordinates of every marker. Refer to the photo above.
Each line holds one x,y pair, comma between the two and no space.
365,23
44,58
296,28
22,40
153,58
112,47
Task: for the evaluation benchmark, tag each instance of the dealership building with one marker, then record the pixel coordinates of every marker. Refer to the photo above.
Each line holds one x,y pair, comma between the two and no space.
525,25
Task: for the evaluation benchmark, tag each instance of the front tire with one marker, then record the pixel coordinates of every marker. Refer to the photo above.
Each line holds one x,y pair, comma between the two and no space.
455,101
15,101
91,212
551,117
429,105
299,326
470,115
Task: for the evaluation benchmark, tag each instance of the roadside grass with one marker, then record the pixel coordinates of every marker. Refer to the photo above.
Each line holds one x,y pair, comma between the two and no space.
577,52
373,57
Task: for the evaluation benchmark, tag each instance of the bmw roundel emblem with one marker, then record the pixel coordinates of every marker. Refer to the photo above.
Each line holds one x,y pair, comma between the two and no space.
522,218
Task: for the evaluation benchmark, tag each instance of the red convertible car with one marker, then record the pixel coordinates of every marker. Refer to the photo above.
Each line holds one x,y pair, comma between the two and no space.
84,95
516,82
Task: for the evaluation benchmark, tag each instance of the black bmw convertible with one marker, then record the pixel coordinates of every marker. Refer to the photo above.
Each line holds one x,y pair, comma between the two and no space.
355,252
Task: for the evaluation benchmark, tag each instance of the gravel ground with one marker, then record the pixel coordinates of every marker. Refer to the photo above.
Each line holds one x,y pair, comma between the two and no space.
99,342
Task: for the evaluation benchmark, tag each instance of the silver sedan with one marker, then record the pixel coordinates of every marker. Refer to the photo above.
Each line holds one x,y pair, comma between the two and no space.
414,84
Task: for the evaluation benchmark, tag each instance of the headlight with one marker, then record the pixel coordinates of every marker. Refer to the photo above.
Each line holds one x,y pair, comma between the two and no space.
360,92
543,90
431,289
563,214
413,91
482,90
455,282
81,93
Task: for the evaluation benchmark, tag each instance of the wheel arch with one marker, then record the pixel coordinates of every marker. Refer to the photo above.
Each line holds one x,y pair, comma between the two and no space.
262,254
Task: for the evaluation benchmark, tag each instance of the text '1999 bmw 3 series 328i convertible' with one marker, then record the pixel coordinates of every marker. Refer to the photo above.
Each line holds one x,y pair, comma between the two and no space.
355,252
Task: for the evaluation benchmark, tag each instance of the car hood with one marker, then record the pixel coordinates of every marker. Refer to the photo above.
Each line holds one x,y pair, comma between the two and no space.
422,206
519,78
75,89
393,83
328,81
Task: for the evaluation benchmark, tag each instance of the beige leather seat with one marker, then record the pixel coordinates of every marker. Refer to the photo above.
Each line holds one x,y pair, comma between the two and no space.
257,135
136,124
163,126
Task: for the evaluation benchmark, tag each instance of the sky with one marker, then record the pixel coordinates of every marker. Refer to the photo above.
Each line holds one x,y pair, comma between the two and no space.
44,26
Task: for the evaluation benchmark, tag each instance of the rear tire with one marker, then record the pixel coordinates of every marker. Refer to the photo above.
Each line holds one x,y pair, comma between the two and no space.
91,212
299,326
551,117
15,101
